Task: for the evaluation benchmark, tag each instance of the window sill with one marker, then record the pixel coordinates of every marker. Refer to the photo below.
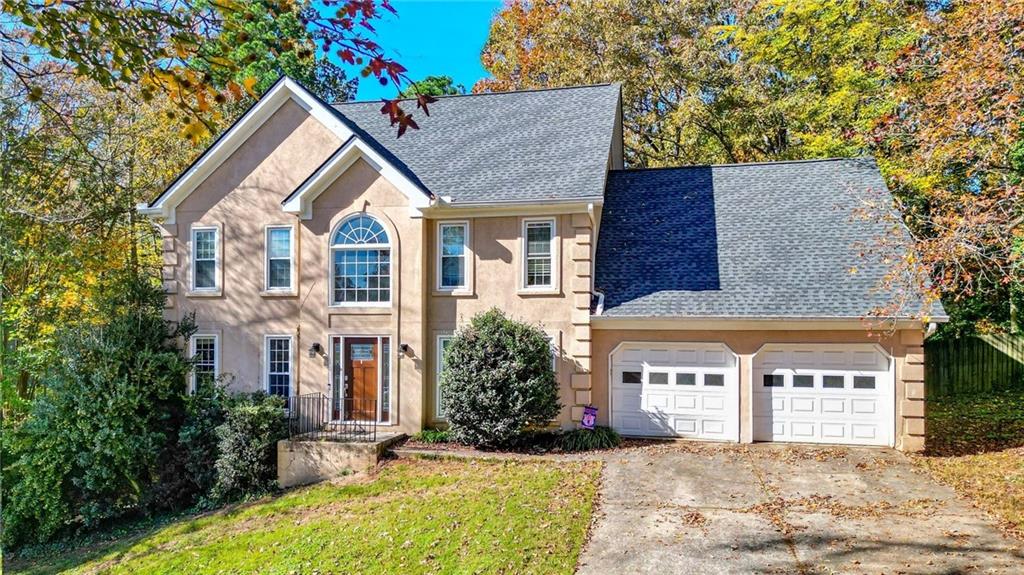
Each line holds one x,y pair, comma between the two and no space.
279,293
539,291
205,293
461,292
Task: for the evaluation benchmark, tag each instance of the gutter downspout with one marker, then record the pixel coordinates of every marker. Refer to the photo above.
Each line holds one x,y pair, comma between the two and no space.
600,302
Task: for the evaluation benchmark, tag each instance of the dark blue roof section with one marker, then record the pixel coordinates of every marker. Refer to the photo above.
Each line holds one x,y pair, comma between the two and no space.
531,145
746,241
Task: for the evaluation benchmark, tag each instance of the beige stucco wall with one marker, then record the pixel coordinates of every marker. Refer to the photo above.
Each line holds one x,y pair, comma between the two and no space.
494,274
904,346
241,198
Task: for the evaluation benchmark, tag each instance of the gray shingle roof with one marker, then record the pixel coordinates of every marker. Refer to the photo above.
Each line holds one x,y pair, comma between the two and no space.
501,147
747,241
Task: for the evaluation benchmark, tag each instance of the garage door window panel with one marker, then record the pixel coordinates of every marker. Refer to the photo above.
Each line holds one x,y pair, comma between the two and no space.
863,382
632,377
774,380
686,379
714,379
803,381
833,381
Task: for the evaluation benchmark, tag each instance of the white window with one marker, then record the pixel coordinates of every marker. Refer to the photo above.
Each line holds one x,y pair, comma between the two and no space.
360,263
279,258
538,254
205,360
205,259
279,365
452,238
553,339
442,344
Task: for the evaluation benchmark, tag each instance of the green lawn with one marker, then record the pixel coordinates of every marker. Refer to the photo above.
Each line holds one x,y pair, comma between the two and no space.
414,516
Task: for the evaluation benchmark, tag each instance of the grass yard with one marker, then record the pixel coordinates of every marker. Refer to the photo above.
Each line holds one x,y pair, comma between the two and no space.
975,423
993,481
413,516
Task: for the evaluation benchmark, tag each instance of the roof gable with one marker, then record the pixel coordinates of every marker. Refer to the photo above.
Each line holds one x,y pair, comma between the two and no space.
284,90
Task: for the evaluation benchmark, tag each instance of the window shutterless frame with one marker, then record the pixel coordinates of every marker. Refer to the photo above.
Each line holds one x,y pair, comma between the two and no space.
205,258
279,364
204,349
279,258
359,263
453,258
539,257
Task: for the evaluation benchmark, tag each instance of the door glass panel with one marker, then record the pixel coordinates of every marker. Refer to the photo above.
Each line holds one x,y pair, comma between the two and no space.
336,377
385,379
361,352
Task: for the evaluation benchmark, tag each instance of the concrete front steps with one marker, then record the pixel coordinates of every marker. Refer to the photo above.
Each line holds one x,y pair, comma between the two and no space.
303,461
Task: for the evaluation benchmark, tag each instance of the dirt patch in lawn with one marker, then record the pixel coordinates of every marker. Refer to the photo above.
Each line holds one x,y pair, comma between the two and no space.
994,482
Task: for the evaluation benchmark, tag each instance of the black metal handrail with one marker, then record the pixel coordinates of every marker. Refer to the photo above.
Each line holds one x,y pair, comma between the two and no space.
319,417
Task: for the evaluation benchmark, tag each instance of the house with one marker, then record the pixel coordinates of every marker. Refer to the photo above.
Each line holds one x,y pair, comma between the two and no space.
323,254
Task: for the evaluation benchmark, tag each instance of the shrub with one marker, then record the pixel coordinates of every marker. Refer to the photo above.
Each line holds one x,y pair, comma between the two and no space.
247,448
498,381
434,436
590,439
90,447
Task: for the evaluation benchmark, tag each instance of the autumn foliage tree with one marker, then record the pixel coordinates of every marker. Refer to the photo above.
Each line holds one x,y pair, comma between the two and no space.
931,89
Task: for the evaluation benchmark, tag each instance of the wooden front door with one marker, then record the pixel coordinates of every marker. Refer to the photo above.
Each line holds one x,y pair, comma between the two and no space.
361,364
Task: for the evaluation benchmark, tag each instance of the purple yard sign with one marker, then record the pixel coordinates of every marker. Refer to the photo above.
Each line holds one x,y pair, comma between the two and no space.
589,417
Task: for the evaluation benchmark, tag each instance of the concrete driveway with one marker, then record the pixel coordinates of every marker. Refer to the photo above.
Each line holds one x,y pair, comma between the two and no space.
706,508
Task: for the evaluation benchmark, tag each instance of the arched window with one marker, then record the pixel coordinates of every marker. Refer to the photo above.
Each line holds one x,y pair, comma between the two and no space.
360,262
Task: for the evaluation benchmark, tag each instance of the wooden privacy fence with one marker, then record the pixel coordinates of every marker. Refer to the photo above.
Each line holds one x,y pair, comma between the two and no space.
974,365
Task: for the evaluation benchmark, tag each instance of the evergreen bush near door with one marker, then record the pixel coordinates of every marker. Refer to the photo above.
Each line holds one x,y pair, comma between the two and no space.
498,381
247,447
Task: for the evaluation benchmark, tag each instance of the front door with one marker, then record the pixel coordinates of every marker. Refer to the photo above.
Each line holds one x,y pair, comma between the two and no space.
361,364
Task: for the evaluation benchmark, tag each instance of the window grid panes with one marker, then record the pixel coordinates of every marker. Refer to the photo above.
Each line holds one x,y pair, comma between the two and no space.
361,264
538,253
453,256
279,368
204,366
204,259
279,258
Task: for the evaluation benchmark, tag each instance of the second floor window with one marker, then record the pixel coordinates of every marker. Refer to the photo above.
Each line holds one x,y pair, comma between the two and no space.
452,254
360,263
204,258
538,253
279,258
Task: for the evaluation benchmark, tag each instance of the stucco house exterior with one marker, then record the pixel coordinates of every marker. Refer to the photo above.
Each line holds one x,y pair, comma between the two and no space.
321,253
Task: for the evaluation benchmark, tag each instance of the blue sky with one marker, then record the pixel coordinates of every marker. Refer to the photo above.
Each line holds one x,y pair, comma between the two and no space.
440,38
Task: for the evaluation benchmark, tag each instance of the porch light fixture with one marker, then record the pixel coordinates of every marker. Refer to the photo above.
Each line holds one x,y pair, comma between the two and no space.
315,350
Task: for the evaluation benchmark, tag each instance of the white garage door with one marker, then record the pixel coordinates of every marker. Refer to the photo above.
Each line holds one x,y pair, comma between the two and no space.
823,394
675,389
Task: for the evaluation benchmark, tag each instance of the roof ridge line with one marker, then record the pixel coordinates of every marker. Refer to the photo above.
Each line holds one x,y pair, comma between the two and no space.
522,91
745,164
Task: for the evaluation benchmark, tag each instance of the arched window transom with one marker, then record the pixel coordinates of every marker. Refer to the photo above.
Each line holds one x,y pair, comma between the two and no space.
360,262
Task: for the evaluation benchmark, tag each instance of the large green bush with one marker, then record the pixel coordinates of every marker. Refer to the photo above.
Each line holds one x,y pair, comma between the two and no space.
91,446
498,381
247,448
